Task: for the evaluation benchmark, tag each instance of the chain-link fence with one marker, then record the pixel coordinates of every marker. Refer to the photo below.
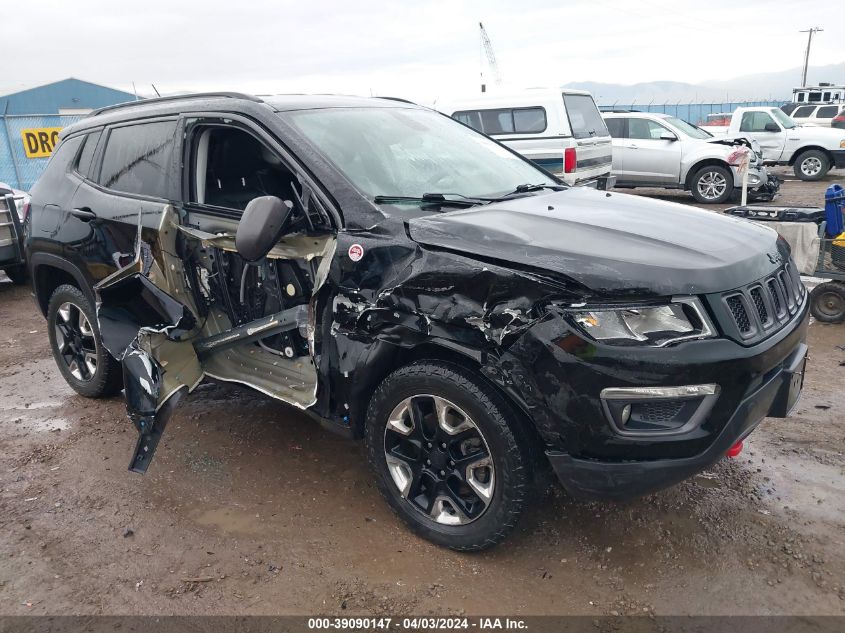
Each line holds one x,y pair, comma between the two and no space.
695,113
26,142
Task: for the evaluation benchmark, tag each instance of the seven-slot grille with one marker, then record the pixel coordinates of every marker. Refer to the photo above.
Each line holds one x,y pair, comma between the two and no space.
762,308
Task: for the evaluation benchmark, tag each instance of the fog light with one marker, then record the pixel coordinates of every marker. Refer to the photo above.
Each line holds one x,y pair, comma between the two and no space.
649,411
734,450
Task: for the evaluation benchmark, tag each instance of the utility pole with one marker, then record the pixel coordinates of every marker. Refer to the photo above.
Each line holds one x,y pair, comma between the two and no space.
810,33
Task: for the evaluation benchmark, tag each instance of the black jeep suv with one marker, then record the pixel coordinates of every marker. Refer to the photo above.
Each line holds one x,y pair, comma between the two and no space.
409,281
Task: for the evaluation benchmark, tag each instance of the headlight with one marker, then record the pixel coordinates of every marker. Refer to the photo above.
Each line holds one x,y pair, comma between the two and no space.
841,143
653,325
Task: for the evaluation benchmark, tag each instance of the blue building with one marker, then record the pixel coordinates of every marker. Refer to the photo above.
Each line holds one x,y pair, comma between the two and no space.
31,119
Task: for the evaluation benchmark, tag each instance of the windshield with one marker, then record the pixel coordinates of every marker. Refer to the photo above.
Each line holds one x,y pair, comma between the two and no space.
784,119
410,152
687,129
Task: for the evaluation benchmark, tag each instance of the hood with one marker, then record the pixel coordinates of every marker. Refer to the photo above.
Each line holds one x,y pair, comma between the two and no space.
730,141
805,132
612,242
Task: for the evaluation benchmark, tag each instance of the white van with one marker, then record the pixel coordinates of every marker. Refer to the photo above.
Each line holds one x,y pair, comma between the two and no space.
560,130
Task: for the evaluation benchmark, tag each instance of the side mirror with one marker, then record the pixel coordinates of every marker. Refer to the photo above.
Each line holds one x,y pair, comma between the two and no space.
772,127
668,136
262,224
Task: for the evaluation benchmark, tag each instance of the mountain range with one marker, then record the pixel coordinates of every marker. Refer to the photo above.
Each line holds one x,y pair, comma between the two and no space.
763,86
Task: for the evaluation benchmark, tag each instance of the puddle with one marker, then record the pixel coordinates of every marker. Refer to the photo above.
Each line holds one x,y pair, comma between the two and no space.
229,520
34,399
707,480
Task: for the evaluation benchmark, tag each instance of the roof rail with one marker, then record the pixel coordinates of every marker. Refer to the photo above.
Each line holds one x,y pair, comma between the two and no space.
400,99
194,95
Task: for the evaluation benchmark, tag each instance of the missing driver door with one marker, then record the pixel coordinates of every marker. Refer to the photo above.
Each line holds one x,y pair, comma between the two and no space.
256,316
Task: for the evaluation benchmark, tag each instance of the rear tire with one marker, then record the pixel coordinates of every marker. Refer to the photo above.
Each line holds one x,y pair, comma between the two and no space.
17,274
712,184
75,340
827,302
811,165
449,453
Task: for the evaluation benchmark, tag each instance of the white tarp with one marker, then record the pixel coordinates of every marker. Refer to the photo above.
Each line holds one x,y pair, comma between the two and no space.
803,239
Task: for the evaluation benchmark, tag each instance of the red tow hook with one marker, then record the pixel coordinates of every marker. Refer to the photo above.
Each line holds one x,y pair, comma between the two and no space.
734,450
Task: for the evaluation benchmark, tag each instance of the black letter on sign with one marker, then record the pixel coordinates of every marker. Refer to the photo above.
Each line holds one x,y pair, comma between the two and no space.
31,143
44,139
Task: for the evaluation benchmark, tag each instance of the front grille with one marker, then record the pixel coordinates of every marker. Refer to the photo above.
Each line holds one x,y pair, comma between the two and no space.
760,304
739,312
774,292
760,309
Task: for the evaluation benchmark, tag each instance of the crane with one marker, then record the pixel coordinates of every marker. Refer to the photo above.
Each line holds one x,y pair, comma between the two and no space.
487,47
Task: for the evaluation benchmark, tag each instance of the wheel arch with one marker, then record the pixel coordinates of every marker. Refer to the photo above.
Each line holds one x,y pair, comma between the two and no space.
807,148
395,357
705,162
48,272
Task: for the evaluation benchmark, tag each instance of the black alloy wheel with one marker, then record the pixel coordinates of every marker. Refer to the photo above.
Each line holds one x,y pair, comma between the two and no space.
452,456
438,459
75,340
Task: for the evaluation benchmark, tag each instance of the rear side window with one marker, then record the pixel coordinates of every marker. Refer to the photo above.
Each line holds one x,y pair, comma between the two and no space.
827,112
584,117
63,156
137,157
803,112
529,120
504,120
86,156
616,127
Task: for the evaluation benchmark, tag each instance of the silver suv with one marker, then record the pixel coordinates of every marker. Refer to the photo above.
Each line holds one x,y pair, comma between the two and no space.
659,150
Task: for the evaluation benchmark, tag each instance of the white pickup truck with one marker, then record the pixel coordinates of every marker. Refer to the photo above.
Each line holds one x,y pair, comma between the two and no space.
811,151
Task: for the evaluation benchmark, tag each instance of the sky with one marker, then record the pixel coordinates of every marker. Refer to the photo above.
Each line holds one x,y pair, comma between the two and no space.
422,49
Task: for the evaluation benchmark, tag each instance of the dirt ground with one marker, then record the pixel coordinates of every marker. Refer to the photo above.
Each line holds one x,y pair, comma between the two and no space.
251,508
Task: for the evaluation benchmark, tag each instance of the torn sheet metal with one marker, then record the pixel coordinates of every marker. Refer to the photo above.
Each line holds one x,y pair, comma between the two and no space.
134,303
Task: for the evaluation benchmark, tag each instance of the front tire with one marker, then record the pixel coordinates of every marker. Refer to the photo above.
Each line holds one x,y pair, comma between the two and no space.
77,347
712,184
811,165
449,454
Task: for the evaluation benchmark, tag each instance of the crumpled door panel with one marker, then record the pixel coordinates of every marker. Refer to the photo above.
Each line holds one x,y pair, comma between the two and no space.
149,321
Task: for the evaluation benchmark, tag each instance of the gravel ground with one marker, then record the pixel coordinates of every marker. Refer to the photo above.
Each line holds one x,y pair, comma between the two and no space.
250,508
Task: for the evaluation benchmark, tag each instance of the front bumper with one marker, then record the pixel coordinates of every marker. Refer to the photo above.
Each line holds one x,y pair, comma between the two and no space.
563,377
761,184
776,397
839,158
768,190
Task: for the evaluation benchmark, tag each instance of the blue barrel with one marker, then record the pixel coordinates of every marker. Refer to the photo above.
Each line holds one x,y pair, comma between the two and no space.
834,210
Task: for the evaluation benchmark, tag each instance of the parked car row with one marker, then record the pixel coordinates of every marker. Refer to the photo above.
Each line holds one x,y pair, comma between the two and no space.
564,132
409,282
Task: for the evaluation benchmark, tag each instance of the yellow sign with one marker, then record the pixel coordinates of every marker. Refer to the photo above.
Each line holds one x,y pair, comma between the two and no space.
39,142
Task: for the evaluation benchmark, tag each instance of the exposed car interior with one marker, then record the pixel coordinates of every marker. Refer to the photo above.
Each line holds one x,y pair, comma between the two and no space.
233,167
